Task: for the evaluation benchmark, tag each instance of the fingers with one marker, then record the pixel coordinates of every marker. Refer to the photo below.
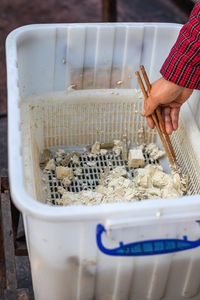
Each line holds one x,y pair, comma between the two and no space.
174,117
170,117
170,97
149,107
150,122
167,119
163,92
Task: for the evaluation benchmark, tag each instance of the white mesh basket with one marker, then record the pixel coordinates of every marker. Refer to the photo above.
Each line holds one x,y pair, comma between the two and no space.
76,119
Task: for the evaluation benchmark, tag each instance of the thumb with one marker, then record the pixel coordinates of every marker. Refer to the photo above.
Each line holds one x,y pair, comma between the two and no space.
149,107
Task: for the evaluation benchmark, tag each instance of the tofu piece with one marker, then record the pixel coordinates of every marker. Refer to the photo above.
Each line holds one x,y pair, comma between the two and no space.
100,189
45,157
62,172
60,152
154,152
95,148
66,182
78,172
161,179
58,160
119,171
118,147
91,163
136,158
171,192
44,189
61,190
50,166
68,198
44,180
103,151
75,160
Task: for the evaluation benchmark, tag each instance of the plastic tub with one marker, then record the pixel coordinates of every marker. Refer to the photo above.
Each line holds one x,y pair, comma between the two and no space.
68,249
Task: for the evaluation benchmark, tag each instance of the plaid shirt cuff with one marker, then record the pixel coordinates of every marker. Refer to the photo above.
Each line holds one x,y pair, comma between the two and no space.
182,66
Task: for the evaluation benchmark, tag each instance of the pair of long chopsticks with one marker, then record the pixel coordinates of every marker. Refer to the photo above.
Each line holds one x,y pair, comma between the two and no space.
157,118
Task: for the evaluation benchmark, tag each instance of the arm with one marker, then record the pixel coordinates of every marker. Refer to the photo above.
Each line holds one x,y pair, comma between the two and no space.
181,74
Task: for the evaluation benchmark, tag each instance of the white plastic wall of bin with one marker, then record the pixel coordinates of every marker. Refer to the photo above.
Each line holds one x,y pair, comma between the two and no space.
90,56
65,261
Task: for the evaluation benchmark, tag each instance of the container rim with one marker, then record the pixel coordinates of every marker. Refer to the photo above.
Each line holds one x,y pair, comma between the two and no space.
16,32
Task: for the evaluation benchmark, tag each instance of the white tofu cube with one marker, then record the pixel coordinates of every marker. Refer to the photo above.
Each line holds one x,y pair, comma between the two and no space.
62,172
135,158
95,148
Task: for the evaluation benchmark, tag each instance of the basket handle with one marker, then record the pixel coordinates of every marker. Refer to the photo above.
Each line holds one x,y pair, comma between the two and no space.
147,247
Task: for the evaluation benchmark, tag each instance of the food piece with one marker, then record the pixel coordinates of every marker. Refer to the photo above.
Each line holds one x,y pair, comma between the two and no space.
50,166
180,180
44,180
136,158
48,201
143,181
154,152
91,155
78,172
60,152
68,198
58,160
91,163
85,197
44,189
75,159
118,147
119,171
103,151
161,179
66,182
163,185
66,160
45,156
91,197
100,189
171,192
107,145
95,148
62,172
61,190
115,185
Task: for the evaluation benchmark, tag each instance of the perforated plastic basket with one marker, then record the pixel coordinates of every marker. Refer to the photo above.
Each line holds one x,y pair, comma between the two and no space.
68,249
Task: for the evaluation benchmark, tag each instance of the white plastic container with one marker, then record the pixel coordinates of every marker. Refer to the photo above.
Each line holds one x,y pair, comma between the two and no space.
66,263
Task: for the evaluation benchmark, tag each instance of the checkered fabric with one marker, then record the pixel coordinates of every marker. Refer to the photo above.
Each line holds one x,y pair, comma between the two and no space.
182,66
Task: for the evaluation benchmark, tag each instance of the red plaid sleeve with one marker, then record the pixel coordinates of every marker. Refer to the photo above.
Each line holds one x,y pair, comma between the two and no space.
182,66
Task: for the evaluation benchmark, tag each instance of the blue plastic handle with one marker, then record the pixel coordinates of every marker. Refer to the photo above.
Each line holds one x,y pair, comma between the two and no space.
149,247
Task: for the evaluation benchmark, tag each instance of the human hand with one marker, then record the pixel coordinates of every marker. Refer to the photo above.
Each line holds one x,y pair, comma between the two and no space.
169,96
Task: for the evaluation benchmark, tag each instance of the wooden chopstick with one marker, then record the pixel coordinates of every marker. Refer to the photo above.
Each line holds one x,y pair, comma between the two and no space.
158,113
155,120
